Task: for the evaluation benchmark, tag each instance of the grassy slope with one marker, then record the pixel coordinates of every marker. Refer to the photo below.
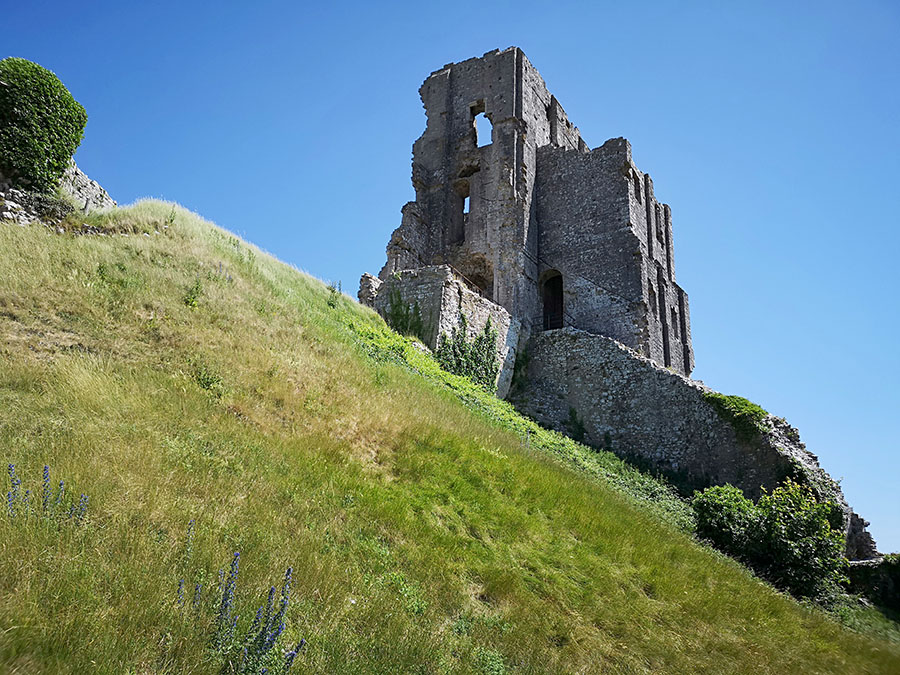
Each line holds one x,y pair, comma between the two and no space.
424,537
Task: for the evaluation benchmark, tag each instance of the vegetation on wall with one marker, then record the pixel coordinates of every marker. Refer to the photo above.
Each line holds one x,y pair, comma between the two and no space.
788,537
745,417
403,317
475,358
41,125
575,425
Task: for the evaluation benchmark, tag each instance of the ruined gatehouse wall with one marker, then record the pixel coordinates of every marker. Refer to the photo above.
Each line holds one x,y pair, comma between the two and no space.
618,275
571,253
535,203
493,241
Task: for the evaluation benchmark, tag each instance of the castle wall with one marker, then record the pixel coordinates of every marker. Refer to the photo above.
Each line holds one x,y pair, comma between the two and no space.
440,297
582,214
538,232
533,200
650,415
494,242
618,277
666,323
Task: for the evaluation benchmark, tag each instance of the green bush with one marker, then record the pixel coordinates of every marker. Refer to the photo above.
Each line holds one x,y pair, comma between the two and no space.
788,537
726,518
475,359
41,125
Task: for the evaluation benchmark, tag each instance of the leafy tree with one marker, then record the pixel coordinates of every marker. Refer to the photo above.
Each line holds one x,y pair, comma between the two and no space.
41,125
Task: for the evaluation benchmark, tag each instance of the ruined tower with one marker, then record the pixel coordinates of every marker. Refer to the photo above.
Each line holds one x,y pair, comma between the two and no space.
568,253
555,233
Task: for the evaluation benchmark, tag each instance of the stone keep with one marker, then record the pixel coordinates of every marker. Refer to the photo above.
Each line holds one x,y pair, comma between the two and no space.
570,255
557,234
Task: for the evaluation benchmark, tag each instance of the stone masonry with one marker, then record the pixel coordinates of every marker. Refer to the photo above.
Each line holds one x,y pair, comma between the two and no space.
555,233
24,207
440,297
630,405
570,253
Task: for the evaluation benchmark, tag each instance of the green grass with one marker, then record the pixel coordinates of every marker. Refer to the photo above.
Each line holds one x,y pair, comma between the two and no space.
430,528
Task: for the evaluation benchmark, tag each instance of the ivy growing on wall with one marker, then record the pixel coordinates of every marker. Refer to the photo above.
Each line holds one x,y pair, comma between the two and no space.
475,358
403,317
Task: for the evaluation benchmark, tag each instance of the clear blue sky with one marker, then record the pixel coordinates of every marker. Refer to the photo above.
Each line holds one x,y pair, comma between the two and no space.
772,129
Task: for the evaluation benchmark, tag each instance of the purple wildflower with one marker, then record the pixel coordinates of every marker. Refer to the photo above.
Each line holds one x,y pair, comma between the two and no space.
45,492
198,587
82,507
292,654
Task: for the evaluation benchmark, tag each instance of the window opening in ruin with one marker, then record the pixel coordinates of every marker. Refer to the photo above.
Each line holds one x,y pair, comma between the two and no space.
457,230
637,187
484,130
659,226
654,309
553,301
661,285
675,322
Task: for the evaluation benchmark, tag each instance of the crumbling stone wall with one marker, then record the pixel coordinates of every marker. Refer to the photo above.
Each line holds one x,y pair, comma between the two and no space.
533,204
657,418
22,207
87,193
441,297
493,243
618,280
539,232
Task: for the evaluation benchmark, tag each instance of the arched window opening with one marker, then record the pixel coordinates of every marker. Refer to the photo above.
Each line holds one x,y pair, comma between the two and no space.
675,322
654,310
482,124
553,301
484,130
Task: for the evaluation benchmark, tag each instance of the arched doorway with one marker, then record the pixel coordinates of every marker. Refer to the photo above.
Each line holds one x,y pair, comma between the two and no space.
552,291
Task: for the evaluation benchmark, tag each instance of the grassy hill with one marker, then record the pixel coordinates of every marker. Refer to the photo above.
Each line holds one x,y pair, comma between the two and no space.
171,373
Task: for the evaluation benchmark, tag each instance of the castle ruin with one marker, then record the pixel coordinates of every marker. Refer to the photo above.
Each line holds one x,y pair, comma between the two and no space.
555,233
570,255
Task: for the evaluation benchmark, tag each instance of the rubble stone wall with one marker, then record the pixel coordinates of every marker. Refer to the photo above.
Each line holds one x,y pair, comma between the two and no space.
657,418
88,194
441,297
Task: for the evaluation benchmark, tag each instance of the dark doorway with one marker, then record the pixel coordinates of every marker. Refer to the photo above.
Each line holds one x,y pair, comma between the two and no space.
553,302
